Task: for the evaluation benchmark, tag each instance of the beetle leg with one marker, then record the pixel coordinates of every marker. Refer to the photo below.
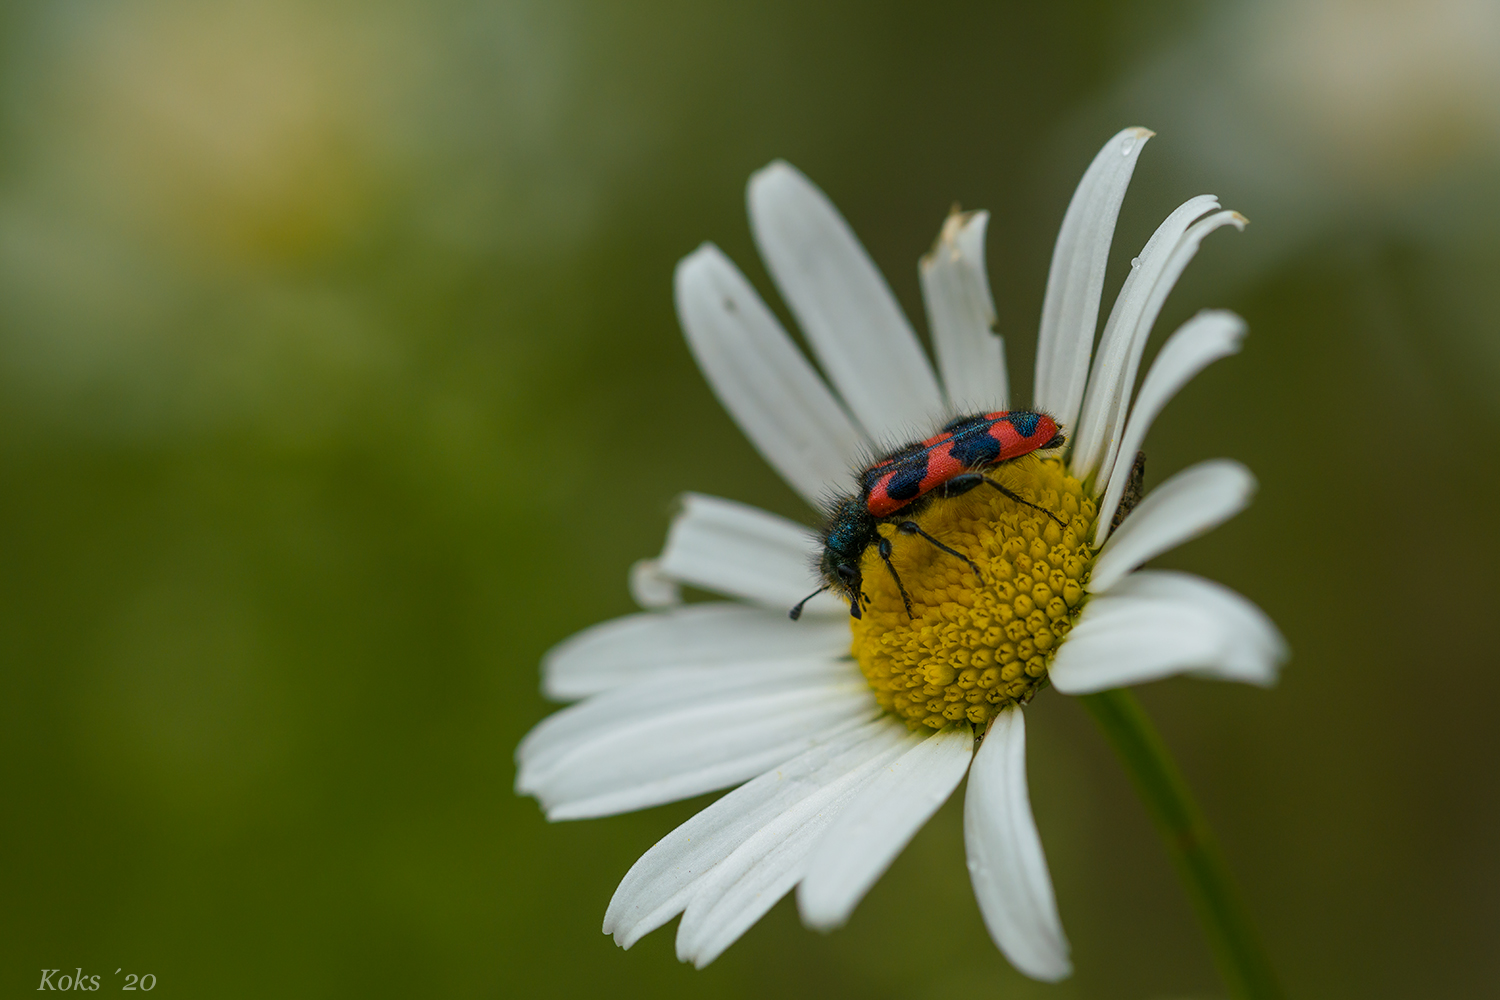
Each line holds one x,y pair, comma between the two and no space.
1021,500
885,554
960,484
913,528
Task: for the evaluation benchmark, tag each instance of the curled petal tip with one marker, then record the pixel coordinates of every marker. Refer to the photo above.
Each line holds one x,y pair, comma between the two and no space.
947,238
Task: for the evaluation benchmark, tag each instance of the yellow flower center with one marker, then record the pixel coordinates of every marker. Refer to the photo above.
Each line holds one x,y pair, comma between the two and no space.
973,647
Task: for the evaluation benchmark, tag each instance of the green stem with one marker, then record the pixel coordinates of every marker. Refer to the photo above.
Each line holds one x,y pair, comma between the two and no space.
1237,951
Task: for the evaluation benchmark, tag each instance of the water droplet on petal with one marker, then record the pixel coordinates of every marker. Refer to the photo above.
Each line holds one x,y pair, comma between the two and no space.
1135,262
1127,145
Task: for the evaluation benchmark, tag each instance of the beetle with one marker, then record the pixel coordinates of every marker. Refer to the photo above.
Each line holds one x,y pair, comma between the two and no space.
898,485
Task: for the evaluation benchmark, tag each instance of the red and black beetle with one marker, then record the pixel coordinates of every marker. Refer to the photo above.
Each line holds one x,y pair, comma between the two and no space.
897,485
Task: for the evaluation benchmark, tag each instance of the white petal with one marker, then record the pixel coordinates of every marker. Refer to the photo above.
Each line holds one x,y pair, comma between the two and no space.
879,823
661,883
716,634
1155,624
844,306
1006,863
961,313
1124,338
1070,311
734,549
650,587
1185,506
684,733
1260,650
664,693
1176,263
762,379
1202,340
749,881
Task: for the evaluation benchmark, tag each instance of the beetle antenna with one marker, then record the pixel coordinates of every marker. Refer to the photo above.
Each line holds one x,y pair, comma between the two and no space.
796,612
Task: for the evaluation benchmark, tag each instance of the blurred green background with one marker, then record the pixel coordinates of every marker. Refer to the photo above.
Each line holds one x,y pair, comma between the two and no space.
339,379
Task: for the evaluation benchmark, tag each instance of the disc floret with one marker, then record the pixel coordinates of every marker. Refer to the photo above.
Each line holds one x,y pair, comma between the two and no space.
976,645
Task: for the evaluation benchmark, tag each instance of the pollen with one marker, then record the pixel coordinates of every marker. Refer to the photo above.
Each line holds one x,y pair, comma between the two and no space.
975,645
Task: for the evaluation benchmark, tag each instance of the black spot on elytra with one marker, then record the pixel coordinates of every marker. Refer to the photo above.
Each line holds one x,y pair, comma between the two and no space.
975,448
907,482
1024,421
895,459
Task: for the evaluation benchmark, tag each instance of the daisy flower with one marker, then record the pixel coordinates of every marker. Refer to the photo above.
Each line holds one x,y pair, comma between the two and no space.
846,734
